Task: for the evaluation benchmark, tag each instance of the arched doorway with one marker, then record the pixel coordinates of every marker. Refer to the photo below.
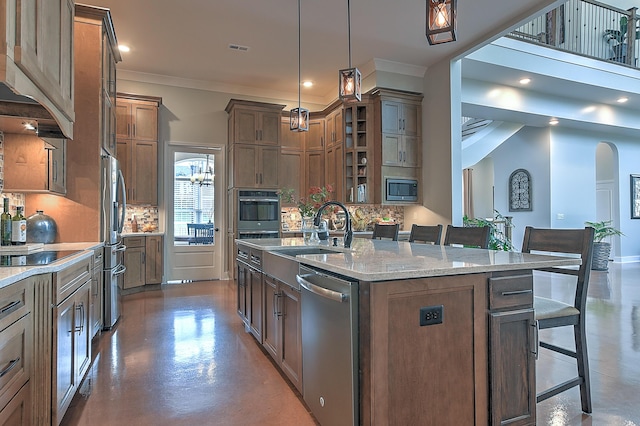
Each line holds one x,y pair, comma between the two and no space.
607,189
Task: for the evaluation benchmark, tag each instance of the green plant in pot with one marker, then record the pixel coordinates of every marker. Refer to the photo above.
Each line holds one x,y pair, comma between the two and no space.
601,248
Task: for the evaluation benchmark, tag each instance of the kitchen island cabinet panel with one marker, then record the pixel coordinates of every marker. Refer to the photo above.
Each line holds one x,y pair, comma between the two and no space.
18,411
413,372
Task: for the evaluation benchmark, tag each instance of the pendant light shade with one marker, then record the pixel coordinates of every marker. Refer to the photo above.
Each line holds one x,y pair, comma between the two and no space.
299,117
441,21
349,79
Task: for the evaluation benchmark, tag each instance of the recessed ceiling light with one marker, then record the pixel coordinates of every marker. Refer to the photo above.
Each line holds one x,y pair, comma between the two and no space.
622,99
553,121
307,83
123,48
525,81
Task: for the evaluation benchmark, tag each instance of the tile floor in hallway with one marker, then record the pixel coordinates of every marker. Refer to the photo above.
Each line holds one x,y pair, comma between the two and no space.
180,356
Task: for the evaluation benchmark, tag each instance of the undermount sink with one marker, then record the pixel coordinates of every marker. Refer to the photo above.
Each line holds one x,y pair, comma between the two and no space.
283,265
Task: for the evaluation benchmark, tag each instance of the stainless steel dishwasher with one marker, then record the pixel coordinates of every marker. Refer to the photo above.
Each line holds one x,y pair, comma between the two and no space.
330,385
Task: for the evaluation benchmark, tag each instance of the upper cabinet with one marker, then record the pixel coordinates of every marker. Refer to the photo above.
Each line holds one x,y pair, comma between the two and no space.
254,122
254,144
400,117
37,55
137,140
335,127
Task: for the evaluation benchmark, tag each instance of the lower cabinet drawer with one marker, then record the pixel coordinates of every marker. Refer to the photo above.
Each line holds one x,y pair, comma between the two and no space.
511,291
15,302
15,358
18,411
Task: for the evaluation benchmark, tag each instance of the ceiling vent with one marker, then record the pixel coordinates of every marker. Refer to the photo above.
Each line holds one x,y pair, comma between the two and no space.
238,47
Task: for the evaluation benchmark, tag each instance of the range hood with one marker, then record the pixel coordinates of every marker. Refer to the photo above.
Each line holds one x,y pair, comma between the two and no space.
15,110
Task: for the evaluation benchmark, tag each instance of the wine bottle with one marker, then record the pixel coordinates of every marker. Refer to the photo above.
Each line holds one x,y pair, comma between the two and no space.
134,224
5,224
18,227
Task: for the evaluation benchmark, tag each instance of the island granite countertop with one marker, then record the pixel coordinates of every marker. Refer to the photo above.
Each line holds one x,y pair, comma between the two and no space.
13,274
379,260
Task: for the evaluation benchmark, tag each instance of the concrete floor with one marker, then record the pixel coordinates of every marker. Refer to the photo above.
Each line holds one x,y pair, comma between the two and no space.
180,356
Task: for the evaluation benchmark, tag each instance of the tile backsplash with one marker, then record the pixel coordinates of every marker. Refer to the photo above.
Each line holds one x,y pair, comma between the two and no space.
145,215
363,216
14,199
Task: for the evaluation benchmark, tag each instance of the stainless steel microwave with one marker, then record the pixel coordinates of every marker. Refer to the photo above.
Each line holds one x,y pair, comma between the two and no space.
398,189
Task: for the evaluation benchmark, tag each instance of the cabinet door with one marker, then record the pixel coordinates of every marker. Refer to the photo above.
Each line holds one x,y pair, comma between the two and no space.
95,309
335,171
338,127
316,136
144,169
245,166
392,149
512,368
391,116
81,320
109,125
269,167
124,158
145,122
255,303
292,172
291,335
134,262
269,128
314,169
123,119
246,130
153,259
18,411
241,281
411,152
271,317
64,335
410,119
291,139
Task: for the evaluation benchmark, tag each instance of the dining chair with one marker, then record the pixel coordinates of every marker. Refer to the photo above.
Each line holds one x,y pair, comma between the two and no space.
468,236
425,233
386,231
550,313
200,233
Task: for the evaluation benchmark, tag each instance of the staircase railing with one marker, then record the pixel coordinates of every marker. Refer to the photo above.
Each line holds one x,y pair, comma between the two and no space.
588,28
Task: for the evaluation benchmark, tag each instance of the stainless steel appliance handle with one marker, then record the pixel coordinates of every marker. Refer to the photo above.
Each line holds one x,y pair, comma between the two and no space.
120,247
124,200
321,291
120,269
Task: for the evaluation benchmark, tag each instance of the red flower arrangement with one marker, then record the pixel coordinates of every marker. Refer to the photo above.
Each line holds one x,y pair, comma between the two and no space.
310,205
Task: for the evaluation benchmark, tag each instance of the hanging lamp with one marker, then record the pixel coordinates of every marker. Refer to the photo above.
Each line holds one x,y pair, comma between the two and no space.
299,117
350,79
441,21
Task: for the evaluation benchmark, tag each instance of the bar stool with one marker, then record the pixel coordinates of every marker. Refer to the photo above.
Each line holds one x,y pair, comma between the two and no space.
424,233
551,313
468,236
386,231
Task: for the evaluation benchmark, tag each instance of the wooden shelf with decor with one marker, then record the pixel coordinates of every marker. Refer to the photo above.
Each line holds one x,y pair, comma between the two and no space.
359,164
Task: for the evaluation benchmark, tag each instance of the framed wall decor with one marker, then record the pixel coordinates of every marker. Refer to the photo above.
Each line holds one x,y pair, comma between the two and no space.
520,191
635,196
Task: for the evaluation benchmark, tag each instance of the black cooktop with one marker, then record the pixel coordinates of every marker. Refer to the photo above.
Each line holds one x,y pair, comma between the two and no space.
36,258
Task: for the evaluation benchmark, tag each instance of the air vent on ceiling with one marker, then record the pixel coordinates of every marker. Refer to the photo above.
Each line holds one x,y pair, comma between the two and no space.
238,47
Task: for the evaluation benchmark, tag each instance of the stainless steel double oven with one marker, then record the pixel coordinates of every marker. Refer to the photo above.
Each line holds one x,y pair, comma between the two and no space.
258,214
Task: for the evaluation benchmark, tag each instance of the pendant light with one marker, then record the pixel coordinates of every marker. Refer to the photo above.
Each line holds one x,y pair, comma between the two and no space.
350,79
299,117
441,21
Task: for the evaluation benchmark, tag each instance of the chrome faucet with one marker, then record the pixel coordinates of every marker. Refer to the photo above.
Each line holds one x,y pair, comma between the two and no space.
348,233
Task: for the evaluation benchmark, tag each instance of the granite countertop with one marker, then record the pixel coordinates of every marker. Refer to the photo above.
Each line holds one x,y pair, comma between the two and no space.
12,274
376,260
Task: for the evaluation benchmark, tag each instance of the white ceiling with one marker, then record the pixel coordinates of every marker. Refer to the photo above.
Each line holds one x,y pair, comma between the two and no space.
189,39
187,42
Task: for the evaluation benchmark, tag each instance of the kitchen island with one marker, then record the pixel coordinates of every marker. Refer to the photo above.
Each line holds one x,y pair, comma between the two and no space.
445,335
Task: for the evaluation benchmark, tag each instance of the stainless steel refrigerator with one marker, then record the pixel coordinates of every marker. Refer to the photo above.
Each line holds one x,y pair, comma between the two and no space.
114,206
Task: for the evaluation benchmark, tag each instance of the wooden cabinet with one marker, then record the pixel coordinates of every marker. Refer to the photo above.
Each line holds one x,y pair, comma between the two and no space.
97,293
512,349
291,172
35,165
249,289
37,55
154,259
71,333
143,259
136,119
137,146
254,122
291,139
400,117
334,172
314,168
254,166
316,135
335,127
359,160
282,331
16,352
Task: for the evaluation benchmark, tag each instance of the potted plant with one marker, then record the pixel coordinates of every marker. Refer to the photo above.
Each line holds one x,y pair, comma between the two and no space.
601,248
498,240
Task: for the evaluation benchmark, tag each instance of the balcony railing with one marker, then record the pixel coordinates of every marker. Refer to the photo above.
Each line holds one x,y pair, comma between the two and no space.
587,28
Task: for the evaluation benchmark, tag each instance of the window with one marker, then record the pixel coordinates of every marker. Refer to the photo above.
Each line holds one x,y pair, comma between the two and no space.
193,193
